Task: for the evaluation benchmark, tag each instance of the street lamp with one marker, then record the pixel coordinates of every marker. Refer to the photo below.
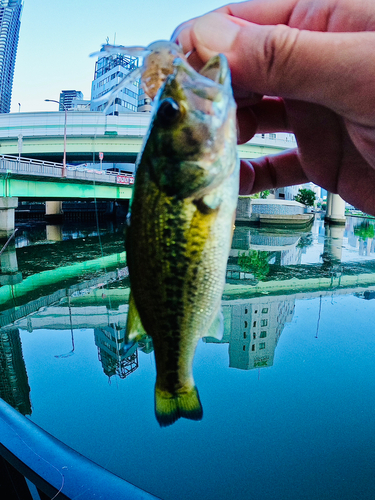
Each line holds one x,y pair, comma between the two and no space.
64,157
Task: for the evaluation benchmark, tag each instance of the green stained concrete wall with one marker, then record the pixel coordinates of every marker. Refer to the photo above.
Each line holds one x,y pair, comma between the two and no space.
9,293
61,189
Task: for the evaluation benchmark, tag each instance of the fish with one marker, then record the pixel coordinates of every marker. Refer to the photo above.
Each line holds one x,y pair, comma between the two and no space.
180,226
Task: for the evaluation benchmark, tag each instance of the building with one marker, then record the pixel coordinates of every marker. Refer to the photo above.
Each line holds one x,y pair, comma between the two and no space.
10,21
81,105
110,69
66,98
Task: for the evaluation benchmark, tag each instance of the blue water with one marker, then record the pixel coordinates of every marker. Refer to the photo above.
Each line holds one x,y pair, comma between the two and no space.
301,427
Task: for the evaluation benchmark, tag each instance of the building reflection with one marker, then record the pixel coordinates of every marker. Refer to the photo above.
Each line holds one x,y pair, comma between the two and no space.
252,329
116,357
14,386
256,327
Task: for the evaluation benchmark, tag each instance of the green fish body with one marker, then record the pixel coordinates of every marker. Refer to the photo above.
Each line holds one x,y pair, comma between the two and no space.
180,226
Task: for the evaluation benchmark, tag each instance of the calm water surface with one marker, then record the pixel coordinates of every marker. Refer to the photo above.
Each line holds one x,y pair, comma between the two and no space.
288,394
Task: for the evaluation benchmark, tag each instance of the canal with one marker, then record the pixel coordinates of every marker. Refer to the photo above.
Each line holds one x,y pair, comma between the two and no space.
287,393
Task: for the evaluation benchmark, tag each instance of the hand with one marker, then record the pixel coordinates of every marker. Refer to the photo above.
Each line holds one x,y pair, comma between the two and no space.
314,62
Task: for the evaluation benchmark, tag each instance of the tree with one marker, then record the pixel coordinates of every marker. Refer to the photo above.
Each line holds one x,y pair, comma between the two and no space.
306,197
255,262
262,194
364,231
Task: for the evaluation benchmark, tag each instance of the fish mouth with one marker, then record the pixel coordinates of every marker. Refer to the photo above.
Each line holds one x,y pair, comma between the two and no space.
210,83
216,69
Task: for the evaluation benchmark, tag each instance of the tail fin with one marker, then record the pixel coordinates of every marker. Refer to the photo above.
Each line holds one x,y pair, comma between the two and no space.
170,407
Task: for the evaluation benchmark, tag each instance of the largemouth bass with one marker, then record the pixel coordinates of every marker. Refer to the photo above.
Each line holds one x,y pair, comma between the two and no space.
180,226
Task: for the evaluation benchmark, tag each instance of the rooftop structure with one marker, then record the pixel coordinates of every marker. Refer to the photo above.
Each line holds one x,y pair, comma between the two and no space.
10,21
66,98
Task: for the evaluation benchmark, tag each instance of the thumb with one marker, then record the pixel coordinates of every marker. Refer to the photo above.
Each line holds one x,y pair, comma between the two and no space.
319,67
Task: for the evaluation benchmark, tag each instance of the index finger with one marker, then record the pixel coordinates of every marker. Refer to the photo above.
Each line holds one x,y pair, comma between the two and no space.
256,11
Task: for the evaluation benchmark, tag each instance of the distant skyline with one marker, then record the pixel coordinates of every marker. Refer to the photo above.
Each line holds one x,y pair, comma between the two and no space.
56,39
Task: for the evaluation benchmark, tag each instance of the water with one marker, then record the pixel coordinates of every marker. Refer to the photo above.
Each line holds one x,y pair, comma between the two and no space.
290,418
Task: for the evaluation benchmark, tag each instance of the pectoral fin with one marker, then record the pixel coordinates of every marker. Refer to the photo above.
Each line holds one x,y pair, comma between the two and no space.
134,327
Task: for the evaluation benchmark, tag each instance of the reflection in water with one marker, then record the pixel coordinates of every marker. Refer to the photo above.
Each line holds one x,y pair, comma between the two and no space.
252,329
14,387
360,234
113,353
252,326
276,423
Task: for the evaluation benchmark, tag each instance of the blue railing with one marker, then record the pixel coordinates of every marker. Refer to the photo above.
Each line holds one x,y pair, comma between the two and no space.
34,465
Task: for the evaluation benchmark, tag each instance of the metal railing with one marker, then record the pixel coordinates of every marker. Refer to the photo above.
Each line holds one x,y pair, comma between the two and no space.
27,166
35,465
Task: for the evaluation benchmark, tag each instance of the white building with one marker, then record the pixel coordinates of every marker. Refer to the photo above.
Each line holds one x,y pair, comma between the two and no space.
110,69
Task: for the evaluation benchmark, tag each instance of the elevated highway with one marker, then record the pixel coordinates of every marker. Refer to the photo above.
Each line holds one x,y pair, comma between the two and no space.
119,138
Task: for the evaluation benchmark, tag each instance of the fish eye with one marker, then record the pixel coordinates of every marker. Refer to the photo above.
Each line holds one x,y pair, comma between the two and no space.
169,112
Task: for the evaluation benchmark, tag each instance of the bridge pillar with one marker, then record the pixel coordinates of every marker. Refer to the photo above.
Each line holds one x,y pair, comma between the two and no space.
54,232
335,209
333,241
8,259
7,207
54,208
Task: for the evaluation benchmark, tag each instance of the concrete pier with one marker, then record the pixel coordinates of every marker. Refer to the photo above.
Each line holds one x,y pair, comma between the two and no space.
54,208
335,209
7,207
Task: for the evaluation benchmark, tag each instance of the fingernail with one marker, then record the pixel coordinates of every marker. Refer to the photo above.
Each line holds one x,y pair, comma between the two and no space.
216,32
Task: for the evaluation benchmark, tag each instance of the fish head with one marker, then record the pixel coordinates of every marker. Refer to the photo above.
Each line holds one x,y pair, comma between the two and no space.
193,134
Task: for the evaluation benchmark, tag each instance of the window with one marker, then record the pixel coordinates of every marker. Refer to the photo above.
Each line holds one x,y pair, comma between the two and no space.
272,136
265,310
254,324
245,324
254,335
263,322
263,335
244,348
244,335
253,347
256,310
245,311
262,345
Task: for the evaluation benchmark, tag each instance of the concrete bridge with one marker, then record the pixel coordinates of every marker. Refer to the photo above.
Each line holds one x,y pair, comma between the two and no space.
42,180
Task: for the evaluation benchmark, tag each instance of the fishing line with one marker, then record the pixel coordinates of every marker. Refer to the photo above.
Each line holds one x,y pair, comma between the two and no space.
320,310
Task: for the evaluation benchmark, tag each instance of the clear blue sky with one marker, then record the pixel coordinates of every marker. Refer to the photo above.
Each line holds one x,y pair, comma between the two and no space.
56,38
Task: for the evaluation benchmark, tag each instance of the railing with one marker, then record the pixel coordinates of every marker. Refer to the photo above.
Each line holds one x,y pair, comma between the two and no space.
26,166
35,466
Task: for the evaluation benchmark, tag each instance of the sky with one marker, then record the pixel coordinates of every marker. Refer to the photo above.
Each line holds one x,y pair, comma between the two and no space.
57,37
